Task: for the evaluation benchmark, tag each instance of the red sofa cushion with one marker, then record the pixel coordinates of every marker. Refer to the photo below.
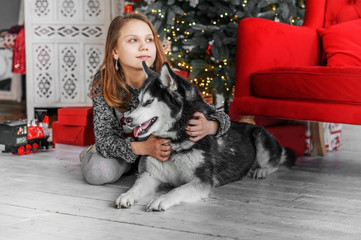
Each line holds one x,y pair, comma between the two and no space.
342,43
311,83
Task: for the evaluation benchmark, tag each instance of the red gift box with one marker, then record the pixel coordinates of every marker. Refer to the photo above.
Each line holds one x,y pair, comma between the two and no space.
74,126
74,135
76,116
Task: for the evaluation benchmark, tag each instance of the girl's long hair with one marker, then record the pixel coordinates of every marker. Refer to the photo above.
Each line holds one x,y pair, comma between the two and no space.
112,82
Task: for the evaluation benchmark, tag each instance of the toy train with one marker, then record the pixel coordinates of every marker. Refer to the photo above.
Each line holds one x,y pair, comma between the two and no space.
19,138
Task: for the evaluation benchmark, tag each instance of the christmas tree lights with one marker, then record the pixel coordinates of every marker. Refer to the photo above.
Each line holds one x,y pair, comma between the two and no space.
199,36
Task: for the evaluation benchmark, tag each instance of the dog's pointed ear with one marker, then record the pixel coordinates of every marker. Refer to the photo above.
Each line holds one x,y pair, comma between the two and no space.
146,70
167,77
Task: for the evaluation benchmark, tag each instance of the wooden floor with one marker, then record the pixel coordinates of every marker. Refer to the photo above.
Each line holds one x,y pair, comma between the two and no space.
43,196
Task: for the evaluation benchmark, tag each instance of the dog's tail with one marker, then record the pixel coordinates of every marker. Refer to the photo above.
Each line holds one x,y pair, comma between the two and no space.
289,157
265,142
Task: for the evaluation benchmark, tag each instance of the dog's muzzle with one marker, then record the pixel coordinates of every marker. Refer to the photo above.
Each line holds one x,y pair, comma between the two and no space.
142,128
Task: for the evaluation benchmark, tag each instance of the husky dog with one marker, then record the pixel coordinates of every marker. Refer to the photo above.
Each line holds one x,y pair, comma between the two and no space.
167,103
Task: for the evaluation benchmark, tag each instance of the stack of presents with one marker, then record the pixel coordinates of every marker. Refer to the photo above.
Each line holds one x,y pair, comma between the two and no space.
75,127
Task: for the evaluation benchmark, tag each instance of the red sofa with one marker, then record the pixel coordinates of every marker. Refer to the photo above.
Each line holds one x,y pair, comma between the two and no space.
310,72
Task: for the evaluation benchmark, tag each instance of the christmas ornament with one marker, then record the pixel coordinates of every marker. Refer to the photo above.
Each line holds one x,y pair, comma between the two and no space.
166,45
128,7
210,43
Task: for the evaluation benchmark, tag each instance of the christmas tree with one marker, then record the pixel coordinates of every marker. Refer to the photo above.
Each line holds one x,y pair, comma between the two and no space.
199,36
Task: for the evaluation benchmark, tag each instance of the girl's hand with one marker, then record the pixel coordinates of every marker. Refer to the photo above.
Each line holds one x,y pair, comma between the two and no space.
158,148
199,127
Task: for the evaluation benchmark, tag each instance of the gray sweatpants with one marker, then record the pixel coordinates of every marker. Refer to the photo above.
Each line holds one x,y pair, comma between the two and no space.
98,170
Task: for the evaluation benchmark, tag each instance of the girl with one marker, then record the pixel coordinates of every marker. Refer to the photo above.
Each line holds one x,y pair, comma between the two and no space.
131,39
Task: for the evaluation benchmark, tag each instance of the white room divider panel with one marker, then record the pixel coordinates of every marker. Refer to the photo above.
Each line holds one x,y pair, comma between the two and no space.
64,48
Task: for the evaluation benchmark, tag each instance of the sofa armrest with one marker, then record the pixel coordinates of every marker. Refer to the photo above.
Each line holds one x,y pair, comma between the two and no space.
264,44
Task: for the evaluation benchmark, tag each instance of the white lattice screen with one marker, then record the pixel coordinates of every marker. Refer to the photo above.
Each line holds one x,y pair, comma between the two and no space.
64,48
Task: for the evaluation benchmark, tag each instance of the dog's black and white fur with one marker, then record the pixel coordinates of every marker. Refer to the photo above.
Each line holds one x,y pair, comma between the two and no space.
167,103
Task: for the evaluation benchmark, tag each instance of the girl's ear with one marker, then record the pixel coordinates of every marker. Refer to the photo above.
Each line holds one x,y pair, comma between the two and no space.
115,54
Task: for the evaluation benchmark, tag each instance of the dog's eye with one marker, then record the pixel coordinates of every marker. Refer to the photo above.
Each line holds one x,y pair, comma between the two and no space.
149,101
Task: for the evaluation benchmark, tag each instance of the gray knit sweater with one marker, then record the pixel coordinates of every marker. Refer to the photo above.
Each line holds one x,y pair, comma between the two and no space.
110,134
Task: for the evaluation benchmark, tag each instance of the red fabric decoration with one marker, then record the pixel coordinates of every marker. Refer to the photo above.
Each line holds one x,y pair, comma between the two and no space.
342,43
19,65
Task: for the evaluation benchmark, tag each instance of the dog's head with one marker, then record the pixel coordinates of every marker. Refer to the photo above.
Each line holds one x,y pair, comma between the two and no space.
165,101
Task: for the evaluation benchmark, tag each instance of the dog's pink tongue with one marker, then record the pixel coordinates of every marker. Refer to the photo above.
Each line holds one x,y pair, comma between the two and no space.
138,129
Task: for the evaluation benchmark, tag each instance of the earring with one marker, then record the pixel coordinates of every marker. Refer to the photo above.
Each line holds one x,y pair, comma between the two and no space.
116,65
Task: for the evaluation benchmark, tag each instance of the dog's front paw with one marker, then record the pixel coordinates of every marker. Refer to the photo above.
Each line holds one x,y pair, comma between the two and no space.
125,200
158,204
259,173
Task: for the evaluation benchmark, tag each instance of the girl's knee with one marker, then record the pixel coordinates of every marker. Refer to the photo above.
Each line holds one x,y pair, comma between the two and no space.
99,170
98,173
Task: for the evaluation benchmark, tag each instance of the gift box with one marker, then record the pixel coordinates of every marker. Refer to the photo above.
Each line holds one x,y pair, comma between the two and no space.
332,136
76,116
74,126
74,135
332,133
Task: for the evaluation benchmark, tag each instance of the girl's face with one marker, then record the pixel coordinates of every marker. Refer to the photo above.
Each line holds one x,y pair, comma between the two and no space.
135,44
